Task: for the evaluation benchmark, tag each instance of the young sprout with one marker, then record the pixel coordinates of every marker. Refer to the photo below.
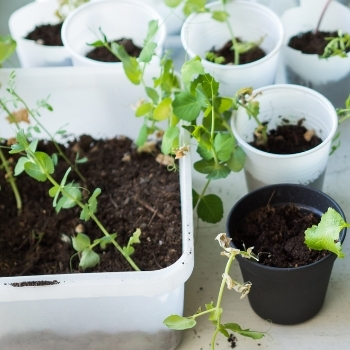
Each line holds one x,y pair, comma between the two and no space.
215,311
7,48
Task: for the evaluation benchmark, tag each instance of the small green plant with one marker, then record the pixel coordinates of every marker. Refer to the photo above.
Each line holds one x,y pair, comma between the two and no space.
7,48
65,7
215,311
337,46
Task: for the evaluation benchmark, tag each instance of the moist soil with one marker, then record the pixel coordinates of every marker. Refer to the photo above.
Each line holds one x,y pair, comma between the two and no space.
277,235
137,192
250,56
47,34
288,139
310,42
104,55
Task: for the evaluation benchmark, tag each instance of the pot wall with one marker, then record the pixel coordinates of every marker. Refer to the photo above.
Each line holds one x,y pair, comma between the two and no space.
93,310
292,102
285,296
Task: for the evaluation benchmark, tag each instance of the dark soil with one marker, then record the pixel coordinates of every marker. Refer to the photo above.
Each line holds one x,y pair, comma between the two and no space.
47,34
104,55
137,192
277,235
288,139
250,56
310,42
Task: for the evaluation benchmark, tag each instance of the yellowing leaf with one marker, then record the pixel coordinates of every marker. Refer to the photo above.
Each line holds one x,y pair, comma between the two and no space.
19,116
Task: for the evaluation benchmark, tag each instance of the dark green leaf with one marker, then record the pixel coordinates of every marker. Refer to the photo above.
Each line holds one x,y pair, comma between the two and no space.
210,209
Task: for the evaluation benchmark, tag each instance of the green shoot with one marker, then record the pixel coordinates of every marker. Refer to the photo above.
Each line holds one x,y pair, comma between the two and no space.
7,48
41,167
344,113
325,235
215,311
338,46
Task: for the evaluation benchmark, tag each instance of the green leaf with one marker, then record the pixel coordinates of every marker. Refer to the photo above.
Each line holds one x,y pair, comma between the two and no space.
152,30
193,6
219,172
32,146
147,52
204,152
223,330
143,109
210,209
186,106
45,162
85,213
190,69
225,104
220,16
19,168
130,64
172,3
105,240
245,332
142,137
7,48
237,160
164,110
34,171
195,198
170,134
81,242
214,316
93,200
204,166
325,235
179,323
202,97
70,198
88,259
152,94
97,43
223,144
53,190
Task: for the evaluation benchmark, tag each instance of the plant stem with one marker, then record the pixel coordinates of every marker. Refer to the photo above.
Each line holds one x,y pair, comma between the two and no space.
12,181
321,16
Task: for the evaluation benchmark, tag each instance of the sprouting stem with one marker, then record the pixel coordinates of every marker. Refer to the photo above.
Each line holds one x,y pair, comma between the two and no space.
321,16
12,181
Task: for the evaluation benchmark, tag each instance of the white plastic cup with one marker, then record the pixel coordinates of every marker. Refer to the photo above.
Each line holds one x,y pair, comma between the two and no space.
249,21
331,76
292,102
31,54
117,19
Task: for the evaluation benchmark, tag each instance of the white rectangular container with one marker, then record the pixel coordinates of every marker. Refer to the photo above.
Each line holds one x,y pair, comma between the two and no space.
120,310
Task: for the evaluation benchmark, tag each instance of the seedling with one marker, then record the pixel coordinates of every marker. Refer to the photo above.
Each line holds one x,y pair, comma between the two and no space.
215,311
7,48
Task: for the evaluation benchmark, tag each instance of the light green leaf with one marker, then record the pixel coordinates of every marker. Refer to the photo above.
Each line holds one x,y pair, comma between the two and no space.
193,6
32,146
201,96
88,259
170,134
219,16
190,69
81,242
204,152
237,160
53,190
152,94
85,213
245,332
143,109
19,168
142,137
93,200
45,161
214,316
223,145
210,209
34,171
152,30
179,323
186,106
7,48
105,240
325,235
147,52
172,3
164,110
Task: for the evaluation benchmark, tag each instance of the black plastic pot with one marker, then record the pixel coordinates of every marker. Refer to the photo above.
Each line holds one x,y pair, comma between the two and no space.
285,295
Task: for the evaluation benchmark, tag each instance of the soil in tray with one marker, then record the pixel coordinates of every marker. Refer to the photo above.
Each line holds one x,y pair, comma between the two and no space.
137,192
228,54
288,139
104,55
310,42
47,34
277,235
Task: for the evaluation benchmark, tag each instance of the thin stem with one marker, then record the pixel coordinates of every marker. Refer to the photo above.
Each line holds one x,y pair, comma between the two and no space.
321,16
12,181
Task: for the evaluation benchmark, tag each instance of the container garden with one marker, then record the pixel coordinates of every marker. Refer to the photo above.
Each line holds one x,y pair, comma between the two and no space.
249,22
293,103
331,76
30,53
111,310
287,295
117,19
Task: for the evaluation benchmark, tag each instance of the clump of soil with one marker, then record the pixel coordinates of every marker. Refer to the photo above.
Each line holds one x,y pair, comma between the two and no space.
310,42
277,235
288,139
137,192
228,54
47,34
104,55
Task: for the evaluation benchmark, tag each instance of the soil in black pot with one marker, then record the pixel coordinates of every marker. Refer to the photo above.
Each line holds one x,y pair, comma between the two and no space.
288,139
47,34
104,55
277,235
137,192
228,54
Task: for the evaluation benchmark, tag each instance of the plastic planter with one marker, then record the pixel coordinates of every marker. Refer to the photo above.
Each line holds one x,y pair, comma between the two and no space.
119,310
292,102
31,54
331,76
117,19
250,22
285,295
